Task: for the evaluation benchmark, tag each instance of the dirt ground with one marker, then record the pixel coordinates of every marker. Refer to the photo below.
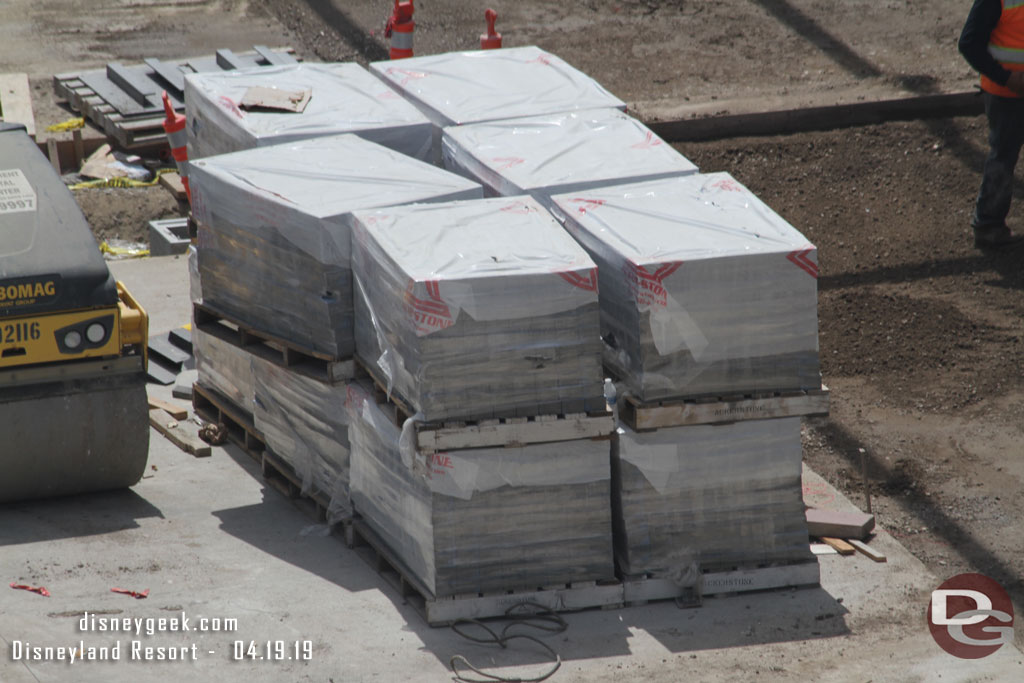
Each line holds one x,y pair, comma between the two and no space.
921,335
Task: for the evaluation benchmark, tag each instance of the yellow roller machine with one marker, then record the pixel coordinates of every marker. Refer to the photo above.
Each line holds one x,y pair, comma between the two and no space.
73,408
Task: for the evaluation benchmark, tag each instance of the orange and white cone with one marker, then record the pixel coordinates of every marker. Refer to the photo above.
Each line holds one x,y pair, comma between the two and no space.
399,28
174,126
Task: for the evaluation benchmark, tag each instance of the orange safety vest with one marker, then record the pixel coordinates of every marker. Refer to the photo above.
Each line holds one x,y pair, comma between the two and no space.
1006,44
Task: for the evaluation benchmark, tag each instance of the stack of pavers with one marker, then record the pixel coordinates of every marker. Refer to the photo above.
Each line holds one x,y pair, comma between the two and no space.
236,110
274,271
705,292
475,311
480,460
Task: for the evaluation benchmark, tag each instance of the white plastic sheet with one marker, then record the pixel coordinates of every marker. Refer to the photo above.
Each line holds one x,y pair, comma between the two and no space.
465,87
345,98
717,495
477,308
704,289
562,152
274,248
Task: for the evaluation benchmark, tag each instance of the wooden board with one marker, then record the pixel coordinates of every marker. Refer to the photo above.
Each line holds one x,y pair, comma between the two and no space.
514,431
837,524
16,101
171,181
642,416
569,597
174,410
840,546
868,550
184,438
643,589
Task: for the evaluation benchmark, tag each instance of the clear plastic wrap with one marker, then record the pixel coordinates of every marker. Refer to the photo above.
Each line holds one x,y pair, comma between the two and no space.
704,289
224,367
466,87
708,497
345,98
562,152
305,423
484,519
477,309
274,248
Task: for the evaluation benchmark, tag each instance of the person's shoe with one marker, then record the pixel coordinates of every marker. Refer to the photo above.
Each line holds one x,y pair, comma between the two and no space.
997,238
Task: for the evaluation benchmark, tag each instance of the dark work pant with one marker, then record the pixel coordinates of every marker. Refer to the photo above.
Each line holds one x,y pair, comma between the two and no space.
1005,138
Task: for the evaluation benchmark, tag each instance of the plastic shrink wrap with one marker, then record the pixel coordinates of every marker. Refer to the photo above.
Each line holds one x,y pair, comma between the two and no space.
558,153
704,289
343,98
477,309
484,519
708,497
274,249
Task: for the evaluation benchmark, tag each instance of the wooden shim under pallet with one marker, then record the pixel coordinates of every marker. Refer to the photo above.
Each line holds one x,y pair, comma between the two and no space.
286,354
433,437
570,597
638,590
212,406
641,416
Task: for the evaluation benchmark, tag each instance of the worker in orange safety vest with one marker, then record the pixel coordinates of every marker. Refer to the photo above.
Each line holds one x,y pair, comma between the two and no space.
992,42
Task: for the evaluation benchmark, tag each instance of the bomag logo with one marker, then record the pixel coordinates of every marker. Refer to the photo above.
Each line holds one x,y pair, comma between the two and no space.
29,291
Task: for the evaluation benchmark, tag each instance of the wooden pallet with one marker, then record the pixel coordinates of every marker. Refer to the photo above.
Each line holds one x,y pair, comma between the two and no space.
639,590
125,101
284,478
569,597
433,437
645,416
281,352
214,407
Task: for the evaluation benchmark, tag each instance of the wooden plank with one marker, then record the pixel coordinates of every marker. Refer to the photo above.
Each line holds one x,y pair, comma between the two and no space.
639,590
840,546
170,74
836,524
140,88
176,411
655,415
54,154
272,57
823,549
16,101
868,550
228,60
515,431
172,183
182,438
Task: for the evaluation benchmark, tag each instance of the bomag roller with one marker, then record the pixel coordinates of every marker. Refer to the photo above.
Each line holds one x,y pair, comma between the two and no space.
73,407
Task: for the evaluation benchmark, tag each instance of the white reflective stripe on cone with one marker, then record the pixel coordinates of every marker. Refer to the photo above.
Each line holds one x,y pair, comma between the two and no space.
401,40
177,139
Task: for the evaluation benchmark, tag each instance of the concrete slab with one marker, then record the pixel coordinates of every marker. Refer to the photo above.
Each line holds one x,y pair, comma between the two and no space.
211,541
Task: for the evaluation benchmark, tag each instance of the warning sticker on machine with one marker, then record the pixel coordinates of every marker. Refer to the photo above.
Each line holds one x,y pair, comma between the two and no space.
16,194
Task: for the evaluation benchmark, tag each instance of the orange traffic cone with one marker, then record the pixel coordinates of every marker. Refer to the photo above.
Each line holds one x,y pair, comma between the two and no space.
399,29
492,39
174,126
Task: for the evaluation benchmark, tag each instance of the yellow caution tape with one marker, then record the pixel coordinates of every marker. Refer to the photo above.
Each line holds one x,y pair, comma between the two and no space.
119,181
123,251
70,124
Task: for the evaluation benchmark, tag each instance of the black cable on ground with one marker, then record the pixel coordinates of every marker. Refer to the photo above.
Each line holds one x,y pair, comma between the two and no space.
543,619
